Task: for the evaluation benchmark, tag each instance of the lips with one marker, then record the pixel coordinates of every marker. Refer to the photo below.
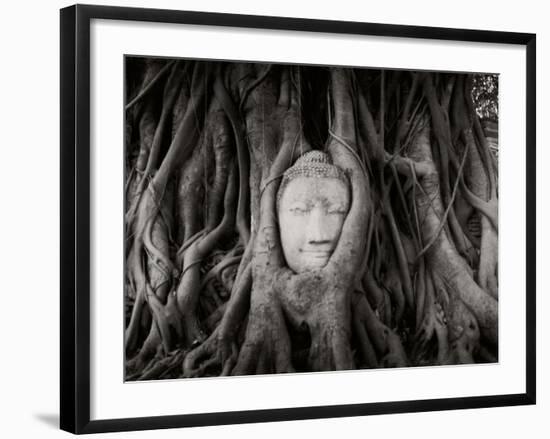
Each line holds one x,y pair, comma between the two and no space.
317,253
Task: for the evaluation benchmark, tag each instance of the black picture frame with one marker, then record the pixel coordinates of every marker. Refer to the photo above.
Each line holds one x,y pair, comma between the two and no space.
75,217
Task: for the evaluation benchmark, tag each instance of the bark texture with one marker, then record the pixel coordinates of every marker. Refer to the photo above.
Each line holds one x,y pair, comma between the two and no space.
413,279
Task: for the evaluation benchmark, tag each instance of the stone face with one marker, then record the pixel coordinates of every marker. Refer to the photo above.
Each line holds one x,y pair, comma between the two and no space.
311,214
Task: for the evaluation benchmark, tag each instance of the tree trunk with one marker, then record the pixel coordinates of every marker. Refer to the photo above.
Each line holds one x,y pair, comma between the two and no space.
208,289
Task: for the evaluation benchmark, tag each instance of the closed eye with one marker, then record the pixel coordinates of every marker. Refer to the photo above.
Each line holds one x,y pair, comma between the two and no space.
298,210
337,211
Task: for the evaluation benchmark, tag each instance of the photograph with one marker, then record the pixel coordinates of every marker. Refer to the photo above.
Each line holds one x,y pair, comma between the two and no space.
291,218
274,220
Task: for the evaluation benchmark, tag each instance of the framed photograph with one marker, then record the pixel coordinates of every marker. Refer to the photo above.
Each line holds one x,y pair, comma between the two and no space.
268,218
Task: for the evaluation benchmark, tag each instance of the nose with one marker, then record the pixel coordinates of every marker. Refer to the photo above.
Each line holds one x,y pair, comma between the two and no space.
316,230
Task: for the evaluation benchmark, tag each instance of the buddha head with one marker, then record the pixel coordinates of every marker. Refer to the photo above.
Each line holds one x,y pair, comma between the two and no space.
312,203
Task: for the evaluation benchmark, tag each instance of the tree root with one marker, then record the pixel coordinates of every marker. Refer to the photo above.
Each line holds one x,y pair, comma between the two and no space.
221,347
407,283
389,350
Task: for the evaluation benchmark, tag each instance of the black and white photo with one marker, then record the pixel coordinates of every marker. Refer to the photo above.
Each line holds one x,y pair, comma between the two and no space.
285,218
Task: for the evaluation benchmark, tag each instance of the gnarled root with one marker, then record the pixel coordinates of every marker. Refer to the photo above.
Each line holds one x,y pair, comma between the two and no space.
433,323
388,350
488,261
442,256
208,355
220,349
463,334
266,348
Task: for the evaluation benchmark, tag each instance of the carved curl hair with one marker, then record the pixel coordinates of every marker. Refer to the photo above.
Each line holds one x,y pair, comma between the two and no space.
315,164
